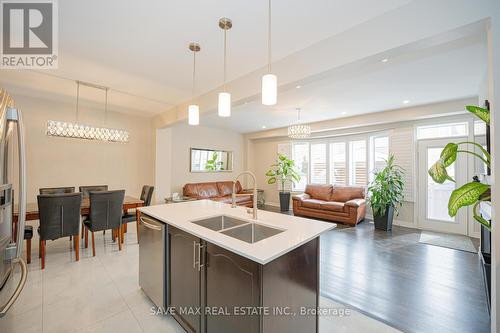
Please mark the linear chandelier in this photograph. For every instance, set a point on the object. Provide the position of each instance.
(79, 131)
(299, 130)
(87, 132)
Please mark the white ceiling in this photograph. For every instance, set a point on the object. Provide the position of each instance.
(442, 72)
(139, 48)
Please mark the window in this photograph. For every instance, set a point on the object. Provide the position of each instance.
(479, 128)
(357, 167)
(338, 167)
(442, 131)
(379, 151)
(300, 156)
(318, 163)
(346, 162)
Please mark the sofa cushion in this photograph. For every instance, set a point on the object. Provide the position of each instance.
(226, 188)
(201, 190)
(312, 203)
(333, 206)
(346, 193)
(320, 192)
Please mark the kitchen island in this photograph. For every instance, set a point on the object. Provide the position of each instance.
(223, 271)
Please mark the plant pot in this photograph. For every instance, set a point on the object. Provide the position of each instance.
(384, 222)
(284, 201)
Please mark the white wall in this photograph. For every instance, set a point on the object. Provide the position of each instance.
(173, 156)
(54, 161)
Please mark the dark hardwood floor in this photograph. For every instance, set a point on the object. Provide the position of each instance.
(411, 286)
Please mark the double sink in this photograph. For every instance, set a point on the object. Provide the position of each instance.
(239, 229)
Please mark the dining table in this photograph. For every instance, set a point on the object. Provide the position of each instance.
(33, 214)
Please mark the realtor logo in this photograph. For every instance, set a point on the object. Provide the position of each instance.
(29, 34)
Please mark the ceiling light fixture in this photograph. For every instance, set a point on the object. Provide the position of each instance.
(269, 81)
(299, 130)
(224, 109)
(264, 126)
(298, 86)
(385, 60)
(344, 113)
(406, 101)
(79, 131)
(194, 109)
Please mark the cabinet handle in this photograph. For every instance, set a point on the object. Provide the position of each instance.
(200, 265)
(194, 254)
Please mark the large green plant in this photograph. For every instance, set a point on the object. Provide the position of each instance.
(472, 193)
(386, 189)
(283, 171)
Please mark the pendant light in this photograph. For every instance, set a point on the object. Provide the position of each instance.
(225, 97)
(80, 131)
(194, 109)
(299, 130)
(269, 81)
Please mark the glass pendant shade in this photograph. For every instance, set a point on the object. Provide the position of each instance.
(224, 104)
(193, 115)
(269, 89)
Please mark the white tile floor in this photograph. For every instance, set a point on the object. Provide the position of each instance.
(101, 294)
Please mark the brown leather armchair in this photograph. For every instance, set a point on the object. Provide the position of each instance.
(344, 204)
(219, 191)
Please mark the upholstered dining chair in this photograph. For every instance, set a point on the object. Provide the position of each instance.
(59, 217)
(94, 188)
(105, 213)
(57, 190)
(146, 195)
(84, 190)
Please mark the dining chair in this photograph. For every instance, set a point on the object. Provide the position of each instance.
(59, 217)
(146, 195)
(105, 213)
(86, 189)
(57, 190)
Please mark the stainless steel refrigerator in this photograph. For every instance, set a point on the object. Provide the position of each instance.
(11, 246)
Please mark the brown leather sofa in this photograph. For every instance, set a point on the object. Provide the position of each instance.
(219, 191)
(344, 204)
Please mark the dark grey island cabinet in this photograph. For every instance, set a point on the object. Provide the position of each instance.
(213, 290)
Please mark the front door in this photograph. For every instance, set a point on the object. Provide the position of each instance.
(433, 197)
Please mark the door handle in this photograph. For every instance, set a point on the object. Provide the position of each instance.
(200, 265)
(194, 254)
(19, 288)
(149, 225)
(15, 115)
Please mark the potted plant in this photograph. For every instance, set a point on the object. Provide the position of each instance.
(283, 172)
(386, 194)
(472, 193)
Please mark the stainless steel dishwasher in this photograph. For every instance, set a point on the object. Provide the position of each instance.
(153, 259)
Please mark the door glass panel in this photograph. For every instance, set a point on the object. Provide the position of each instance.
(438, 195)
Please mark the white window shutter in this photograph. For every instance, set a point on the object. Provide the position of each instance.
(402, 146)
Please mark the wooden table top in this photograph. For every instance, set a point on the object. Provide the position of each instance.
(128, 201)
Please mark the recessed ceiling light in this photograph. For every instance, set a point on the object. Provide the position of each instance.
(264, 127)
(245, 103)
(344, 113)
(298, 86)
(385, 60)
(406, 101)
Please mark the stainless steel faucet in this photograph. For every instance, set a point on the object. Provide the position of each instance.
(233, 197)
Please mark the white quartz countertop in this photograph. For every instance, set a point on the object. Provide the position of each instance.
(297, 230)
